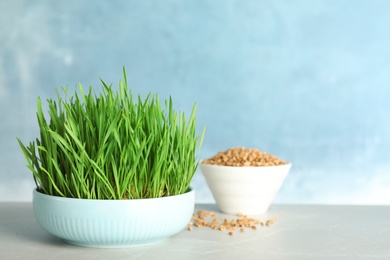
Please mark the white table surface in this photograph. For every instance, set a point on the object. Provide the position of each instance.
(300, 232)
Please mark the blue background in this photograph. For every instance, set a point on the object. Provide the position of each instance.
(304, 80)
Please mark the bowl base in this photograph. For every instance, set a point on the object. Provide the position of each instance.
(103, 245)
(243, 212)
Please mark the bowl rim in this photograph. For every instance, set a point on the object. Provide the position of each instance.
(40, 195)
(244, 167)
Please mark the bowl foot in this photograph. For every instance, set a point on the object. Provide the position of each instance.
(112, 245)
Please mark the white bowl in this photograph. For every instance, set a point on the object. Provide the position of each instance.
(113, 223)
(248, 190)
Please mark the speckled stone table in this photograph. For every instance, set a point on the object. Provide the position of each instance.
(300, 232)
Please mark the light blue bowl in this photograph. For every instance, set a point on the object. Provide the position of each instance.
(113, 223)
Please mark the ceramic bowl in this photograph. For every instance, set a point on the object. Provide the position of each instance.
(113, 223)
(248, 190)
